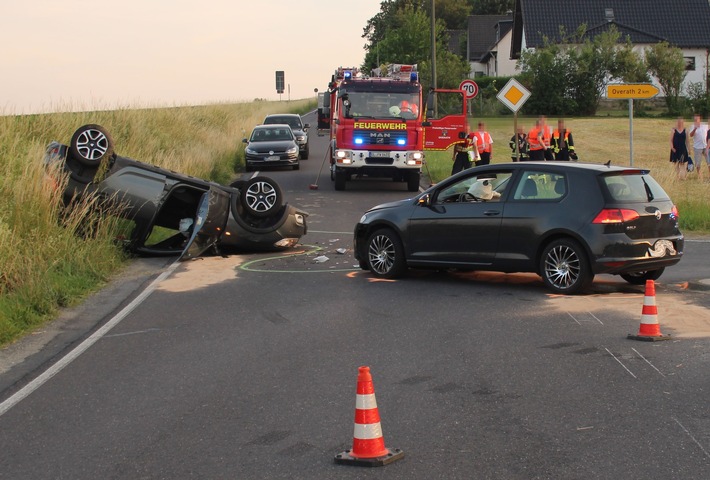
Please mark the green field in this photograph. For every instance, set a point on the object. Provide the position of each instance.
(44, 265)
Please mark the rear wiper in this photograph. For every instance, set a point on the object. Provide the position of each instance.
(649, 194)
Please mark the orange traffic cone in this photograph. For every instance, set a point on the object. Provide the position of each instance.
(368, 443)
(649, 330)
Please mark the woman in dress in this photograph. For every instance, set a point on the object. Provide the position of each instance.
(679, 148)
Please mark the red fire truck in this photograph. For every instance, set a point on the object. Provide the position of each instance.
(380, 125)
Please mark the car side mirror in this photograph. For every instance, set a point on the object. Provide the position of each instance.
(306, 126)
(424, 200)
(244, 140)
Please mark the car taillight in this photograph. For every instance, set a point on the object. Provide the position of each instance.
(616, 215)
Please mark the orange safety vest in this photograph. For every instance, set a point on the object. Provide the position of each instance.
(532, 139)
(546, 135)
(483, 141)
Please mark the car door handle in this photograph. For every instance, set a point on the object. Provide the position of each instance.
(491, 213)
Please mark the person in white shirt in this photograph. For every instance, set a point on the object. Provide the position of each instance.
(699, 134)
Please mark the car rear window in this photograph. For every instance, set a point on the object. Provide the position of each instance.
(634, 188)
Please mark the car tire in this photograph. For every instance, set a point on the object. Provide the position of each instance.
(639, 278)
(296, 167)
(564, 267)
(304, 155)
(90, 145)
(413, 181)
(340, 179)
(261, 196)
(247, 168)
(385, 254)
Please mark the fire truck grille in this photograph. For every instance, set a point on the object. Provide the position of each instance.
(370, 137)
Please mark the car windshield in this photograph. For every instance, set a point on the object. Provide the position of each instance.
(271, 134)
(382, 105)
(293, 122)
(634, 188)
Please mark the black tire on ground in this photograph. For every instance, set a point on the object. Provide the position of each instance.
(639, 278)
(90, 145)
(247, 168)
(413, 181)
(261, 196)
(296, 167)
(304, 155)
(385, 254)
(340, 179)
(564, 267)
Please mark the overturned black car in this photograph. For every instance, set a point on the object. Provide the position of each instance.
(175, 214)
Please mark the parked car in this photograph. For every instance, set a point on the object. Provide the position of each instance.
(271, 146)
(564, 221)
(174, 214)
(300, 130)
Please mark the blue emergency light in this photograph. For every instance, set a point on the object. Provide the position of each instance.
(358, 140)
(347, 74)
(413, 77)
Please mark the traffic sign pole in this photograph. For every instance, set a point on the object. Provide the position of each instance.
(631, 91)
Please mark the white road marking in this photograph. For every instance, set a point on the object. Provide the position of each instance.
(692, 437)
(645, 360)
(612, 355)
(25, 391)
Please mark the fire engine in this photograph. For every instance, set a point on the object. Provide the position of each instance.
(380, 127)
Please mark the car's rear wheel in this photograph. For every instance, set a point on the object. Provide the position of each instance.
(639, 278)
(91, 144)
(564, 267)
(385, 254)
(261, 196)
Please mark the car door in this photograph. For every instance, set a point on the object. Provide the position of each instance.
(210, 220)
(457, 227)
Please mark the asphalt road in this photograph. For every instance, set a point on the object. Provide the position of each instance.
(245, 366)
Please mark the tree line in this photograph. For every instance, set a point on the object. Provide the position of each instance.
(568, 77)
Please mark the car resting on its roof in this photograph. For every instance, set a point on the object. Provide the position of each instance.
(192, 215)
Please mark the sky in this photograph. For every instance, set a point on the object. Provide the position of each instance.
(74, 55)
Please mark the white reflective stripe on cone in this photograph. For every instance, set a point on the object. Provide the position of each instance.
(365, 402)
(367, 432)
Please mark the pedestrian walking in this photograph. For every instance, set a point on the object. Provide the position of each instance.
(699, 134)
(522, 146)
(484, 144)
(679, 148)
(562, 143)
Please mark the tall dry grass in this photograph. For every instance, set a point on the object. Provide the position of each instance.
(44, 264)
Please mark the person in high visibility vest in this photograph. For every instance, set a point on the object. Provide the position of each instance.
(562, 143)
(536, 145)
(465, 153)
(546, 137)
(484, 144)
(522, 147)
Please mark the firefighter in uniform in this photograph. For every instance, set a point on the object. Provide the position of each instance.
(562, 143)
(546, 137)
(536, 145)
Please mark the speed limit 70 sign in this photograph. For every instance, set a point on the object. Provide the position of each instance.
(470, 88)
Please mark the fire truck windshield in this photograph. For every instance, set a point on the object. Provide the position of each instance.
(382, 105)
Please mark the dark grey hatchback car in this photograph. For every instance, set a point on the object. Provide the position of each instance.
(564, 221)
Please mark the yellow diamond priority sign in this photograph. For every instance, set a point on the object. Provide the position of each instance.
(513, 95)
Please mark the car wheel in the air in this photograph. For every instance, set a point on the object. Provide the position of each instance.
(564, 267)
(639, 278)
(261, 196)
(91, 144)
(385, 254)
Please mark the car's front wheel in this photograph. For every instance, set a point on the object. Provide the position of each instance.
(91, 144)
(639, 278)
(261, 196)
(564, 267)
(385, 254)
